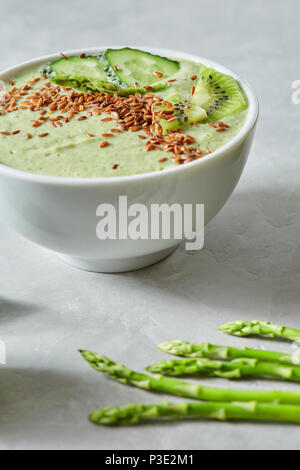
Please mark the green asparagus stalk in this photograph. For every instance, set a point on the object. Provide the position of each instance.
(159, 383)
(186, 349)
(234, 369)
(134, 413)
(260, 328)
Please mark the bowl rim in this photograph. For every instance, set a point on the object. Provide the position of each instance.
(251, 119)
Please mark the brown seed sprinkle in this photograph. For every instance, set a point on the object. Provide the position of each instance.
(163, 159)
(81, 118)
(171, 119)
(90, 135)
(159, 129)
(148, 87)
(116, 131)
(158, 74)
(5, 133)
(16, 132)
(107, 134)
(43, 135)
(115, 166)
(27, 136)
(134, 112)
(104, 144)
(211, 124)
(82, 55)
(116, 67)
(193, 77)
(193, 90)
(64, 56)
(222, 124)
(150, 147)
(172, 80)
(221, 129)
(208, 150)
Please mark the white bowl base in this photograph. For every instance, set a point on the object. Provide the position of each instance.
(117, 265)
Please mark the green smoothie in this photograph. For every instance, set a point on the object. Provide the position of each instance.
(95, 142)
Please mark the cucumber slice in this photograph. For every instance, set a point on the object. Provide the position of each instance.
(91, 68)
(91, 73)
(133, 65)
(84, 73)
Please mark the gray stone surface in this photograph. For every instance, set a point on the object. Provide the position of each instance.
(248, 269)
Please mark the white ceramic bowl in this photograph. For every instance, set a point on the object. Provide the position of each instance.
(60, 213)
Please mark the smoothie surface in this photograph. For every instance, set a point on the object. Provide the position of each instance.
(72, 149)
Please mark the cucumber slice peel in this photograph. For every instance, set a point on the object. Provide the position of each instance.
(133, 66)
(91, 73)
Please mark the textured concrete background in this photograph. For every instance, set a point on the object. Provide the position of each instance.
(248, 269)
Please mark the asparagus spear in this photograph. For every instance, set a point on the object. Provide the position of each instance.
(260, 328)
(134, 413)
(230, 370)
(159, 383)
(184, 348)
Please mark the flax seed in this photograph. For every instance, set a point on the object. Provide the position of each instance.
(107, 119)
(193, 77)
(107, 134)
(163, 159)
(90, 135)
(27, 136)
(115, 166)
(64, 56)
(16, 132)
(158, 74)
(159, 129)
(81, 118)
(104, 144)
(5, 133)
(43, 135)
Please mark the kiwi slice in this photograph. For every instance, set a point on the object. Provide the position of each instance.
(185, 113)
(219, 94)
